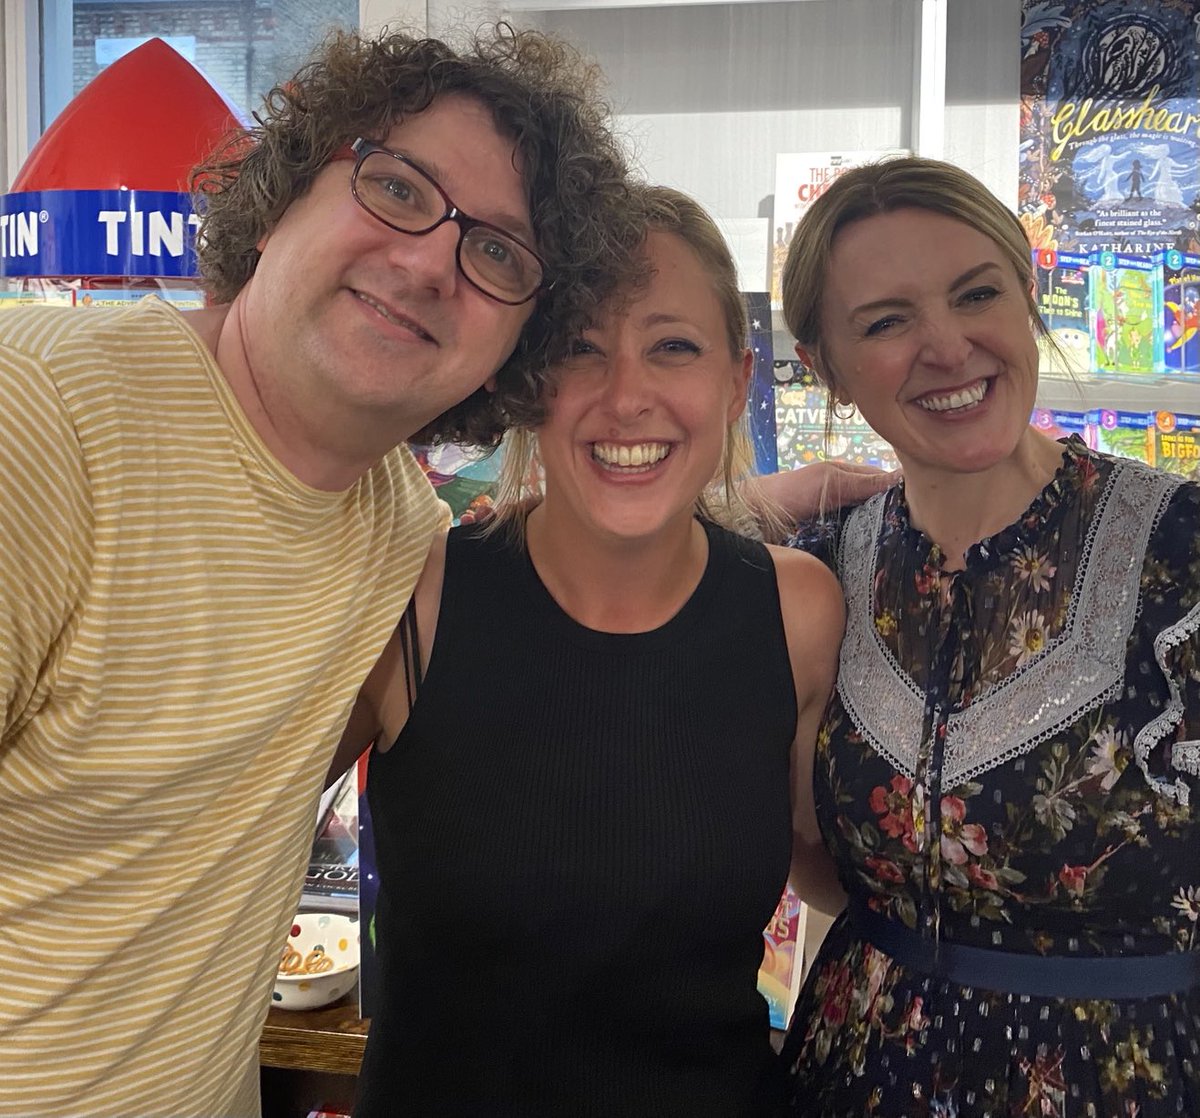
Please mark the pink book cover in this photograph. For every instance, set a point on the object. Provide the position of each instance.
(783, 958)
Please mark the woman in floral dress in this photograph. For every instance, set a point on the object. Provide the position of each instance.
(1006, 774)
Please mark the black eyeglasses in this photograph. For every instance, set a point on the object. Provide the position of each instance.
(398, 193)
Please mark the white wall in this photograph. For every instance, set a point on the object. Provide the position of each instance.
(709, 93)
(396, 13)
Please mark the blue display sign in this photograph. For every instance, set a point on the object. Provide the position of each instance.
(97, 233)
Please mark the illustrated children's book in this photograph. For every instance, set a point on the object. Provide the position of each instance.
(1129, 434)
(464, 477)
(1180, 313)
(44, 297)
(805, 432)
(782, 967)
(1059, 424)
(1177, 443)
(1062, 299)
(1124, 303)
(184, 299)
(800, 179)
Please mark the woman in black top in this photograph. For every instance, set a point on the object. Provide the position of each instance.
(586, 817)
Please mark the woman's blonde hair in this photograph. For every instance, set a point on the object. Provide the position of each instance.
(663, 210)
(908, 182)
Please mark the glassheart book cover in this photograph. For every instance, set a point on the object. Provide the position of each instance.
(1110, 124)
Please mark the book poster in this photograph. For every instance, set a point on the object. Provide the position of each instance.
(800, 179)
(1110, 125)
(760, 406)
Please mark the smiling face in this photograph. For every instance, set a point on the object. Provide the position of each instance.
(925, 326)
(346, 316)
(637, 420)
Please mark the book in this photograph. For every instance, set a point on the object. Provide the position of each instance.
(760, 405)
(1062, 300)
(805, 432)
(1177, 444)
(331, 880)
(34, 297)
(1059, 424)
(1105, 161)
(1125, 433)
(800, 179)
(1179, 313)
(466, 478)
(1123, 302)
(185, 299)
(782, 968)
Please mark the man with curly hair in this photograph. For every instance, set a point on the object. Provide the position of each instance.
(210, 528)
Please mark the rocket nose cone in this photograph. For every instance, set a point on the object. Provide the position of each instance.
(141, 124)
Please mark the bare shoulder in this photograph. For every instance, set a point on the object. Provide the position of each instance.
(428, 592)
(807, 588)
(814, 616)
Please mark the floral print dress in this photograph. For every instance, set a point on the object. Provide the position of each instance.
(1010, 763)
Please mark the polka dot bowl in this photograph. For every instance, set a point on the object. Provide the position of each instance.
(319, 962)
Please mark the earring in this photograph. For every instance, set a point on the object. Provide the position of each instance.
(839, 414)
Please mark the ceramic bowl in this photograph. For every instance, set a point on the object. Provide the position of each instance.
(319, 962)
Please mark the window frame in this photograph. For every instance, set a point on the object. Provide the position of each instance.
(24, 113)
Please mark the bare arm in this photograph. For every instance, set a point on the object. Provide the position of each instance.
(813, 618)
(381, 707)
(809, 491)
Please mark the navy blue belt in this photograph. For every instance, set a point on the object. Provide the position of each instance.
(1009, 972)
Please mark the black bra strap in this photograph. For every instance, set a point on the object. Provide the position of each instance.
(410, 647)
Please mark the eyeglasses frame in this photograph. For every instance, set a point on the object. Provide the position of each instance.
(361, 148)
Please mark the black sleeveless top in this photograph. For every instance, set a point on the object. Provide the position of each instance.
(580, 838)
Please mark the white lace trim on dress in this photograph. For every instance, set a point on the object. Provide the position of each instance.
(1081, 668)
(1185, 755)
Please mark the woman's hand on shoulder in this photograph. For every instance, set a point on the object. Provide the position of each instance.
(810, 491)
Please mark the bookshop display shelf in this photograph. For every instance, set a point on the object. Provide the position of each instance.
(1145, 393)
(330, 1039)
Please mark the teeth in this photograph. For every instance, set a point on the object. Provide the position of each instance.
(406, 323)
(963, 398)
(638, 455)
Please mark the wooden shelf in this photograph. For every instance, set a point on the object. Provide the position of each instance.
(330, 1039)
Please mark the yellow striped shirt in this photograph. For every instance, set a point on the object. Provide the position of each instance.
(183, 627)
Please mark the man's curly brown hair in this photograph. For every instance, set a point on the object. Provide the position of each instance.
(542, 94)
